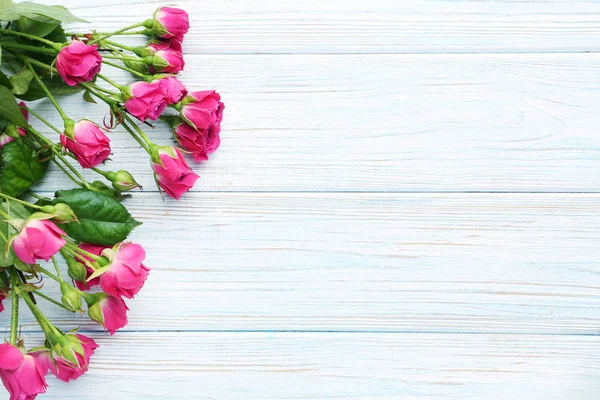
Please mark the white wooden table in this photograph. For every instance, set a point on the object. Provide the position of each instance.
(404, 206)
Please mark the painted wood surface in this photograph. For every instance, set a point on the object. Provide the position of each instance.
(337, 245)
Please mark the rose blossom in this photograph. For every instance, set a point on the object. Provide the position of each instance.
(174, 176)
(66, 361)
(2, 297)
(199, 143)
(167, 61)
(78, 62)
(22, 375)
(96, 250)
(174, 90)
(203, 109)
(170, 22)
(126, 273)
(146, 100)
(110, 312)
(173, 44)
(38, 239)
(88, 142)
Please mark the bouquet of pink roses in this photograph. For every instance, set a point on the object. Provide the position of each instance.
(78, 238)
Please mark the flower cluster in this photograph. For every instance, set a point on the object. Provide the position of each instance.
(101, 269)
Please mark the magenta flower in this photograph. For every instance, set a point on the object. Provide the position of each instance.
(174, 90)
(146, 100)
(96, 250)
(70, 360)
(22, 375)
(110, 312)
(173, 174)
(203, 109)
(170, 22)
(199, 143)
(38, 239)
(126, 273)
(78, 62)
(89, 143)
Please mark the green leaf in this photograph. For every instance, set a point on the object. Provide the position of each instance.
(21, 80)
(102, 220)
(5, 80)
(20, 168)
(14, 211)
(37, 25)
(55, 84)
(9, 108)
(88, 97)
(13, 12)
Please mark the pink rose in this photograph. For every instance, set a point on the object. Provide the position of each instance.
(146, 100)
(38, 239)
(110, 312)
(174, 176)
(5, 138)
(96, 250)
(173, 44)
(126, 273)
(88, 142)
(22, 375)
(203, 109)
(167, 61)
(2, 297)
(174, 90)
(170, 22)
(65, 360)
(199, 143)
(78, 62)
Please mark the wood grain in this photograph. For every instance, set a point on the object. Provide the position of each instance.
(503, 263)
(258, 366)
(386, 123)
(377, 26)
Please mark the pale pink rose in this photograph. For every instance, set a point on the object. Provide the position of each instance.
(22, 375)
(170, 22)
(95, 250)
(199, 143)
(89, 143)
(173, 174)
(174, 89)
(126, 272)
(146, 100)
(78, 62)
(38, 239)
(110, 312)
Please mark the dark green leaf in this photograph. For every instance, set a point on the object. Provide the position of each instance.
(37, 25)
(103, 221)
(9, 108)
(55, 84)
(20, 81)
(88, 97)
(20, 168)
(30, 9)
(5, 80)
(57, 35)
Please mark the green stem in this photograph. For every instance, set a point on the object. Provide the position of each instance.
(26, 204)
(92, 89)
(136, 137)
(29, 36)
(142, 32)
(127, 28)
(35, 49)
(45, 89)
(51, 300)
(56, 267)
(50, 274)
(74, 249)
(51, 332)
(115, 84)
(110, 93)
(43, 120)
(132, 71)
(135, 50)
(5, 215)
(14, 321)
(139, 130)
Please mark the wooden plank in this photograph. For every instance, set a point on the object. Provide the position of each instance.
(390, 123)
(342, 366)
(377, 26)
(488, 263)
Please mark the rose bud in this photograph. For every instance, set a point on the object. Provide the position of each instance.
(145, 100)
(78, 62)
(173, 175)
(167, 61)
(95, 250)
(61, 213)
(170, 22)
(22, 375)
(87, 141)
(173, 44)
(37, 239)
(110, 312)
(174, 89)
(70, 297)
(122, 181)
(203, 109)
(70, 358)
(125, 275)
(198, 143)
